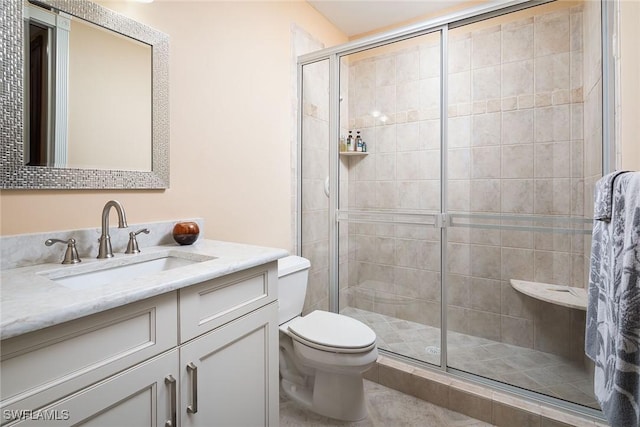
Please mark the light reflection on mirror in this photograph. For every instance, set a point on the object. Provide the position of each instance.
(88, 95)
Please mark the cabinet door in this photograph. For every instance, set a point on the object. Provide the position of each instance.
(137, 397)
(229, 376)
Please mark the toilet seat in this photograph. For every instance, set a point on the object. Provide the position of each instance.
(332, 332)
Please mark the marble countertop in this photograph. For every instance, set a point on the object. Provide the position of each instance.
(566, 296)
(31, 300)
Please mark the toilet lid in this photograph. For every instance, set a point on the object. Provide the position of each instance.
(333, 330)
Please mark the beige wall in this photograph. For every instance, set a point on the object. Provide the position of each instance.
(230, 105)
(630, 84)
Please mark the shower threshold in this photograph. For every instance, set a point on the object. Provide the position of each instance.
(530, 369)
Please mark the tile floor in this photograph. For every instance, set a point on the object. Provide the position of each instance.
(523, 367)
(386, 407)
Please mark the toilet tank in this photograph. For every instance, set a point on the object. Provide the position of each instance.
(293, 273)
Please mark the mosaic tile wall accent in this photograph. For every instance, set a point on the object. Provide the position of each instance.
(13, 172)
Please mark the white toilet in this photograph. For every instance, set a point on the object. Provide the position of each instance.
(322, 354)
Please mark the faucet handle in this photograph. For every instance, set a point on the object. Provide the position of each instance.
(71, 254)
(132, 246)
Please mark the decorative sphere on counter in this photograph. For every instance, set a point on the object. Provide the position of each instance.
(185, 233)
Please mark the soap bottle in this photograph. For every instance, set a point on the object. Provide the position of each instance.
(358, 142)
(350, 142)
(343, 144)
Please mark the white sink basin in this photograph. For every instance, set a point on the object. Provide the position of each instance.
(120, 273)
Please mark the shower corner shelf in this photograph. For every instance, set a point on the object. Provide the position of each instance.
(566, 296)
(353, 153)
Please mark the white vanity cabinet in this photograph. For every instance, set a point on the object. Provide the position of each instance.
(202, 355)
(229, 359)
(47, 368)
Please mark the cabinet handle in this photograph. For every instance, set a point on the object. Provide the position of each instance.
(193, 373)
(171, 382)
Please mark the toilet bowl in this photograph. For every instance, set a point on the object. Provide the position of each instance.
(322, 354)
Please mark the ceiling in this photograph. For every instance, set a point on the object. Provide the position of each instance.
(360, 16)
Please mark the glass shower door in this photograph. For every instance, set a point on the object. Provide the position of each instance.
(389, 245)
(314, 175)
(518, 177)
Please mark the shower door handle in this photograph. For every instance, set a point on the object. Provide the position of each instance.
(326, 187)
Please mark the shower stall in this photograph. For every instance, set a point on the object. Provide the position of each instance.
(462, 235)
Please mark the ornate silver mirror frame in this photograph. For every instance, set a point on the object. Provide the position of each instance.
(13, 172)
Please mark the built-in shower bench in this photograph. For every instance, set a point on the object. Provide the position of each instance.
(567, 296)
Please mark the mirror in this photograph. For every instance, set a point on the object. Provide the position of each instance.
(63, 130)
(70, 64)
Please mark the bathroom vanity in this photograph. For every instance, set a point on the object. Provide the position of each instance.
(192, 345)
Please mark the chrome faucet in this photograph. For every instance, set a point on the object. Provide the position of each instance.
(104, 250)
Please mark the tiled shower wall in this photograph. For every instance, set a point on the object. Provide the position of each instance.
(394, 102)
(516, 146)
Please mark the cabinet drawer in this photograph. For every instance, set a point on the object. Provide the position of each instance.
(39, 367)
(210, 304)
(140, 396)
